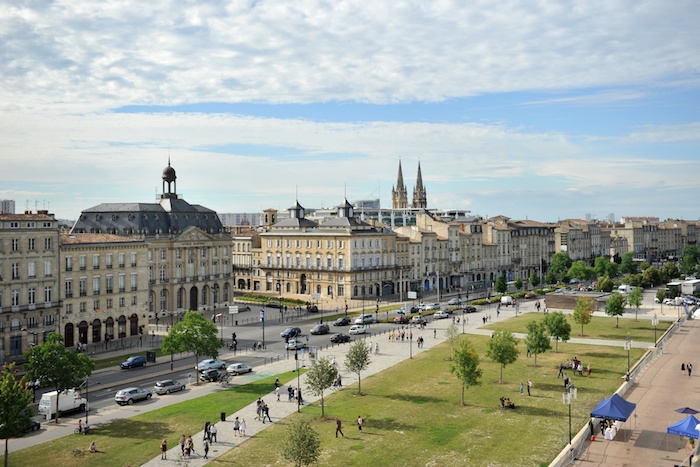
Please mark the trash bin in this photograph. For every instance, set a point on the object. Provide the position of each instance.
(223, 416)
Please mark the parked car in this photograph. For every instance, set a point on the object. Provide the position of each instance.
(432, 306)
(211, 376)
(341, 322)
(415, 309)
(32, 426)
(469, 309)
(339, 338)
(320, 329)
(441, 314)
(294, 344)
(291, 332)
(529, 295)
(273, 304)
(211, 363)
(130, 395)
(238, 369)
(133, 362)
(367, 318)
(312, 309)
(454, 301)
(401, 319)
(167, 386)
(419, 320)
(357, 329)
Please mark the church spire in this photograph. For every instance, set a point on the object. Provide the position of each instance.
(420, 197)
(399, 195)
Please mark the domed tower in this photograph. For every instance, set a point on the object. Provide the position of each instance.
(169, 178)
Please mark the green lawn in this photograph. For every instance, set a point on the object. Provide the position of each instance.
(598, 328)
(413, 415)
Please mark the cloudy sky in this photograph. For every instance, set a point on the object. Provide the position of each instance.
(530, 109)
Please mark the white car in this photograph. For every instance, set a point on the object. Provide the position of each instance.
(454, 301)
(442, 314)
(367, 318)
(432, 306)
(357, 329)
(238, 368)
(211, 364)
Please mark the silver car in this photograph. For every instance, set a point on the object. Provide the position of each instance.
(167, 386)
(130, 395)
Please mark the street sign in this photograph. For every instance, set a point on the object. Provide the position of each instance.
(412, 295)
(316, 296)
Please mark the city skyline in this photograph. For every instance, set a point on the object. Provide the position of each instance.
(546, 111)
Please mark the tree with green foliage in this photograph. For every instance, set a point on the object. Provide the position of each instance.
(605, 284)
(634, 298)
(628, 266)
(501, 285)
(689, 261)
(452, 334)
(616, 306)
(194, 334)
(651, 277)
(537, 340)
(581, 271)
(518, 283)
(534, 279)
(502, 348)
(660, 295)
(557, 327)
(301, 444)
(15, 397)
(550, 278)
(319, 378)
(357, 360)
(560, 263)
(669, 272)
(54, 365)
(466, 366)
(583, 311)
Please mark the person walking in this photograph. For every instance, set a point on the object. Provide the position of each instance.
(689, 367)
(277, 393)
(213, 430)
(339, 428)
(236, 427)
(522, 387)
(360, 422)
(266, 413)
(206, 449)
(182, 444)
(529, 385)
(164, 449)
(242, 427)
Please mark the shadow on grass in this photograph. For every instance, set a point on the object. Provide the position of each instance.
(387, 424)
(412, 398)
(131, 428)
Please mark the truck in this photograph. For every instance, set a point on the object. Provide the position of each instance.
(690, 287)
(70, 400)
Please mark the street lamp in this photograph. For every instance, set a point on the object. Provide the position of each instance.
(628, 347)
(464, 315)
(262, 320)
(568, 399)
(296, 358)
(654, 321)
(410, 340)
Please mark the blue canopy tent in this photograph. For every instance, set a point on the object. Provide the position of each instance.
(613, 408)
(686, 427)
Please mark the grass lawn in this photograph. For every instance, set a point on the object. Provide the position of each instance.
(413, 414)
(598, 328)
(136, 440)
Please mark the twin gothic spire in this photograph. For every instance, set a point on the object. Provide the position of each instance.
(399, 194)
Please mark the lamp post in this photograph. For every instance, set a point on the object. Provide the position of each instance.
(628, 347)
(262, 320)
(410, 340)
(568, 399)
(296, 358)
(654, 321)
(464, 315)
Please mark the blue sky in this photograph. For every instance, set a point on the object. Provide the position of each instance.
(544, 110)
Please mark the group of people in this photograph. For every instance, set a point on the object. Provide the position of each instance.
(262, 411)
(239, 427)
(687, 367)
(486, 318)
(576, 366)
(400, 335)
(506, 403)
(186, 446)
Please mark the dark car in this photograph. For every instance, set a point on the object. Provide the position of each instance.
(273, 305)
(342, 322)
(291, 332)
(211, 376)
(320, 329)
(469, 309)
(312, 309)
(133, 362)
(339, 338)
(415, 309)
(32, 426)
(401, 319)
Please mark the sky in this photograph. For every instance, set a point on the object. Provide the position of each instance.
(540, 110)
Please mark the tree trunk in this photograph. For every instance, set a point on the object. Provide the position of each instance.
(58, 396)
(359, 384)
(535, 359)
(323, 408)
(501, 373)
(6, 460)
(581, 329)
(462, 393)
(556, 345)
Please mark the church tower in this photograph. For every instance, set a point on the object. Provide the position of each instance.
(420, 197)
(399, 195)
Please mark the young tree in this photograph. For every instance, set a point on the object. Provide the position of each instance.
(581, 271)
(452, 334)
(550, 278)
(319, 378)
(558, 327)
(502, 348)
(560, 263)
(670, 271)
(689, 260)
(660, 295)
(54, 365)
(603, 267)
(537, 340)
(357, 360)
(466, 366)
(583, 311)
(501, 285)
(301, 444)
(616, 306)
(628, 266)
(634, 298)
(518, 283)
(534, 279)
(651, 277)
(193, 334)
(15, 397)
(605, 284)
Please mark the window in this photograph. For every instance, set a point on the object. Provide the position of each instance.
(95, 261)
(31, 269)
(82, 286)
(83, 307)
(178, 253)
(15, 297)
(109, 303)
(69, 288)
(69, 308)
(96, 285)
(121, 260)
(31, 225)
(83, 262)
(15, 244)
(162, 254)
(134, 282)
(203, 252)
(329, 243)
(15, 270)
(121, 302)
(96, 305)
(108, 261)
(31, 296)
(163, 273)
(133, 300)
(48, 243)
(69, 263)
(48, 268)
(108, 284)
(122, 282)
(48, 293)
(133, 260)
(30, 244)
(14, 225)
(149, 255)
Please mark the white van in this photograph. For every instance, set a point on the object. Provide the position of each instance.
(506, 300)
(624, 289)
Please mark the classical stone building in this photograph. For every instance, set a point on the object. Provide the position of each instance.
(29, 281)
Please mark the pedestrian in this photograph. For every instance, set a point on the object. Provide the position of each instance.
(290, 393)
(236, 427)
(266, 410)
(277, 393)
(206, 449)
(277, 382)
(360, 422)
(189, 445)
(682, 367)
(522, 387)
(206, 430)
(562, 366)
(529, 385)
(689, 366)
(182, 444)
(164, 449)
(580, 369)
(213, 430)
(566, 381)
(434, 333)
(589, 369)
(242, 427)
(339, 428)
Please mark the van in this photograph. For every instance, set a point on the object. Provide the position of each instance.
(70, 400)
(624, 289)
(506, 300)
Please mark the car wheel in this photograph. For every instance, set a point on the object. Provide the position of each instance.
(35, 427)
(130, 402)
(167, 391)
(182, 388)
(148, 396)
